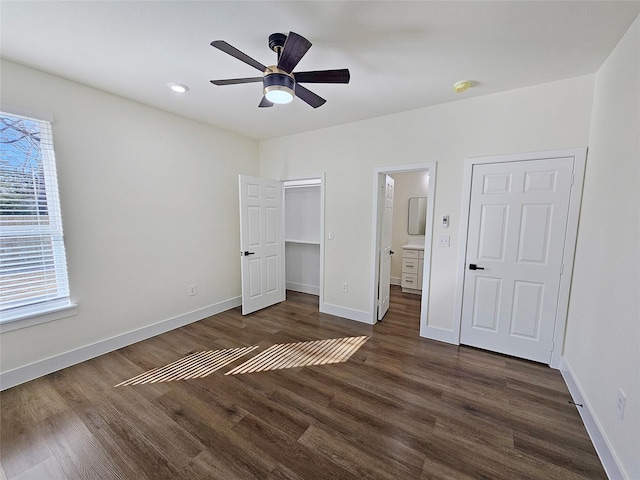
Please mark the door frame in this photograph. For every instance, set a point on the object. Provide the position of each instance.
(575, 199)
(376, 224)
(302, 179)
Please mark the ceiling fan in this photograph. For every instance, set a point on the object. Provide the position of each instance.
(279, 83)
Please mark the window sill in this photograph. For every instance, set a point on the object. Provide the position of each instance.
(35, 315)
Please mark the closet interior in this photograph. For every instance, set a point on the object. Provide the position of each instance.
(302, 203)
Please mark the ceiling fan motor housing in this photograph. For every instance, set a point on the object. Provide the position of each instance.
(278, 79)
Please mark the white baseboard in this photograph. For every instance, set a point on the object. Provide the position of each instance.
(603, 448)
(396, 281)
(302, 288)
(19, 375)
(348, 313)
(439, 334)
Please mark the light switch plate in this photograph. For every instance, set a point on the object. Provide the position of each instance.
(443, 240)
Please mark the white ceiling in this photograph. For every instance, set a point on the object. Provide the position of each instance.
(402, 55)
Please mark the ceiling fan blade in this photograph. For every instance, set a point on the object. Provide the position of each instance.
(308, 96)
(234, 52)
(265, 103)
(294, 49)
(235, 81)
(323, 76)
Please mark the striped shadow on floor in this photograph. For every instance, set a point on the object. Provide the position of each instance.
(196, 365)
(301, 354)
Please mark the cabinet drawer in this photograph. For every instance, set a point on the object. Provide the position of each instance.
(410, 254)
(410, 280)
(410, 265)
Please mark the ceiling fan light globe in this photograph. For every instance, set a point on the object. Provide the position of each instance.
(278, 94)
(278, 87)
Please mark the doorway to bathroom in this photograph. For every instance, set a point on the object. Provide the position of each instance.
(401, 255)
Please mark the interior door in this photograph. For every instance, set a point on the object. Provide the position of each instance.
(515, 246)
(384, 283)
(261, 243)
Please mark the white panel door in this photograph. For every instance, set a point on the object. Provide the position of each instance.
(261, 243)
(515, 246)
(384, 283)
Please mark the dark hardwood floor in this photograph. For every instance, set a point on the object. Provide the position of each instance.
(401, 407)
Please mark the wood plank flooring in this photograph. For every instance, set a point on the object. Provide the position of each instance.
(401, 407)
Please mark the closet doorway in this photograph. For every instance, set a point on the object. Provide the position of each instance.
(304, 234)
(410, 250)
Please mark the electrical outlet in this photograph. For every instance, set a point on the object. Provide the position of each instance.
(345, 287)
(192, 290)
(620, 402)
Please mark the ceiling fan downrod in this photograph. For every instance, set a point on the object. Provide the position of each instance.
(276, 43)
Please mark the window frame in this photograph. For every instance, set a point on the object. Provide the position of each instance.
(42, 311)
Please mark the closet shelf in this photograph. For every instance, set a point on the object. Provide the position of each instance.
(306, 242)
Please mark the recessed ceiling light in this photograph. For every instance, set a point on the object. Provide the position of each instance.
(461, 86)
(178, 88)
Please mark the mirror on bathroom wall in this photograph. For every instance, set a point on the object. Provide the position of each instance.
(417, 215)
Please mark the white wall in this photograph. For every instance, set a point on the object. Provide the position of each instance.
(405, 186)
(149, 206)
(549, 116)
(602, 346)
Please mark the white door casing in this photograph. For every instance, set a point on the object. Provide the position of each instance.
(261, 243)
(386, 229)
(517, 227)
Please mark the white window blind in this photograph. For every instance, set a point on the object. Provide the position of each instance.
(33, 267)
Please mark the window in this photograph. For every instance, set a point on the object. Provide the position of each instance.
(33, 268)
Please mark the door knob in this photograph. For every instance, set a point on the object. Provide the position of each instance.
(391, 252)
(473, 266)
(246, 253)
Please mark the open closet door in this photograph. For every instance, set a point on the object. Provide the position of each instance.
(261, 243)
(384, 282)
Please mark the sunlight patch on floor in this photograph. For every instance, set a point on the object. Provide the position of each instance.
(196, 365)
(301, 354)
(276, 357)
